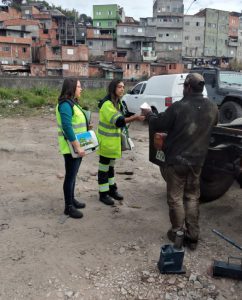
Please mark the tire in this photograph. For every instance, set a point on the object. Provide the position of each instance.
(215, 185)
(213, 182)
(126, 111)
(229, 111)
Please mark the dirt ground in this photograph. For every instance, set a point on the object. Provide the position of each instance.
(112, 252)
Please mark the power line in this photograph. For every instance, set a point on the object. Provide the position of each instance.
(190, 6)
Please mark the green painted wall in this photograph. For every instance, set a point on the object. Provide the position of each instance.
(105, 16)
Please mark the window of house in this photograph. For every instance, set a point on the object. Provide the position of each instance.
(6, 48)
(90, 44)
(175, 36)
(65, 67)
(197, 38)
(186, 38)
(187, 23)
(98, 24)
(24, 49)
(127, 66)
(125, 29)
(160, 35)
(98, 13)
(110, 23)
(45, 31)
(167, 34)
(96, 31)
(70, 51)
(140, 29)
(27, 12)
(34, 38)
(137, 67)
(56, 50)
(103, 43)
(110, 12)
(127, 42)
(197, 24)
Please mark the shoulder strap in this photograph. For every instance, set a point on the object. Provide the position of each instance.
(102, 101)
(71, 102)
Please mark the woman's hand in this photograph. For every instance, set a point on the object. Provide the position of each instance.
(90, 126)
(79, 150)
(140, 118)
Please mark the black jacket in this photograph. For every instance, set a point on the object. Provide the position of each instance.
(189, 123)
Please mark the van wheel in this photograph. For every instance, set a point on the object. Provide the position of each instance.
(125, 110)
(229, 111)
(154, 110)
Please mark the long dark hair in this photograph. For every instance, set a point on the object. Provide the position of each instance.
(112, 88)
(68, 89)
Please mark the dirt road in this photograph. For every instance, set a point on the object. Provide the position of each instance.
(112, 252)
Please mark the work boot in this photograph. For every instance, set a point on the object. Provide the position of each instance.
(113, 192)
(171, 235)
(106, 199)
(190, 243)
(72, 212)
(78, 204)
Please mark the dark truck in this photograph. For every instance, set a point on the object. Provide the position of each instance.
(225, 89)
(223, 162)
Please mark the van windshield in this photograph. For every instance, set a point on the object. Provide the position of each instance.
(230, 78)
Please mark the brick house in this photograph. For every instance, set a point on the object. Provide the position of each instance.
(62, 61)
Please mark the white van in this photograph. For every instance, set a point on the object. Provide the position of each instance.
(158, 91)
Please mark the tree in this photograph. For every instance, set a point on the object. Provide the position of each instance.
(13, 3)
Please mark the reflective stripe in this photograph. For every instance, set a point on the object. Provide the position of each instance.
(104, 187)
(111, 181)
(107, 126)
(108, 133)
(103, 168)
(80, 125)
(112, 163)
(115, 117)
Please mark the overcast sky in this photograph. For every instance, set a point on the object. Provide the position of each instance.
(141, 9)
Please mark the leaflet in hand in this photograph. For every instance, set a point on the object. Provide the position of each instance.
(145, 105)
(88, 141)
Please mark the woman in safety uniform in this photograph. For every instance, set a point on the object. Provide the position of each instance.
(111, 121)
(71, 120)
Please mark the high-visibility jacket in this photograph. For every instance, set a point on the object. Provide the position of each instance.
(109, 136)
(79, 124)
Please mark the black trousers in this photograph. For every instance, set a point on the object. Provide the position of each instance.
(72, 166)
(106, 179)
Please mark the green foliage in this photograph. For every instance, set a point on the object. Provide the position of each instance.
(29, 102)
(90, 97)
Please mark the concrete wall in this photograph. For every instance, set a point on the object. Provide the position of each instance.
(193, 36)
(29, 82)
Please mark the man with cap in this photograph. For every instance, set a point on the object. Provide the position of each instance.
(188, 124)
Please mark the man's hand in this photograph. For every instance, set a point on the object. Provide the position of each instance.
(145, 111)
